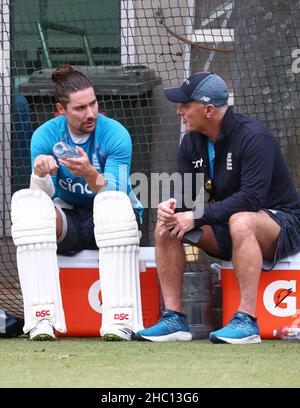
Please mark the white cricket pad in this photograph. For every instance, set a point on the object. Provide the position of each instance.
(117, 236)
(34, 234)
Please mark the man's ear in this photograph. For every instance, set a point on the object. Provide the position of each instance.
(210, 109)
(60, 108)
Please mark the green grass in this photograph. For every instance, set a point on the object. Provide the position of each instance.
(94, 363)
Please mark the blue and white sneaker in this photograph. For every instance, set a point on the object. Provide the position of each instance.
(172, 326)
(240, 330)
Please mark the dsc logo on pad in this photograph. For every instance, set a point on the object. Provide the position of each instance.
(42, 313)
(121, 316)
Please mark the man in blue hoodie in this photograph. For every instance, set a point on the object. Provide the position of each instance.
(77, 202)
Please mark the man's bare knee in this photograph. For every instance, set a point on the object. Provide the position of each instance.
(163, 237)
(160, 237)
(241, 225)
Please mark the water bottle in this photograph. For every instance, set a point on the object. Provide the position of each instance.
(288, 333)
(62, 150)
(10, 325)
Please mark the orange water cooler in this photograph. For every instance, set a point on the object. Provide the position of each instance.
(278, 301)
(81, 291)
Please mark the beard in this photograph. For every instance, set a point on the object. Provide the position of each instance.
(87, 127)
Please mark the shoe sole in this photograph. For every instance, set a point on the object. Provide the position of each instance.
(178, 336)
(43, 337)
(112, 337)
(246, 340)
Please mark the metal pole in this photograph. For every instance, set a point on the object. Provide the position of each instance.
(44, 44)
(88, 50)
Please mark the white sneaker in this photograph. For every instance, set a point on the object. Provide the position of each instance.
(117, 334)
(42, 331)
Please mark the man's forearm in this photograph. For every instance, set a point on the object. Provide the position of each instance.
(96, 181)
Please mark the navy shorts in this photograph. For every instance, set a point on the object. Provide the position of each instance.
(288, 240)
(79, 234)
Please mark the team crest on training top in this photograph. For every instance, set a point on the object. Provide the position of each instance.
(95, 161)
(229, 161)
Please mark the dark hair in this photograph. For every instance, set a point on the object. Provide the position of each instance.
(66, 81)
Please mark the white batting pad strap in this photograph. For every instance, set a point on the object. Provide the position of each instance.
(33, 217)
(118, 238)
(42, 183)
(33, 231)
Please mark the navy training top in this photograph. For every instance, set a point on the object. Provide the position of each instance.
(250, 172)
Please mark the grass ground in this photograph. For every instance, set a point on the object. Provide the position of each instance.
(94, 363)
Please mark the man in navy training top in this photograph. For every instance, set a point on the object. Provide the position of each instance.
(253, 211)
